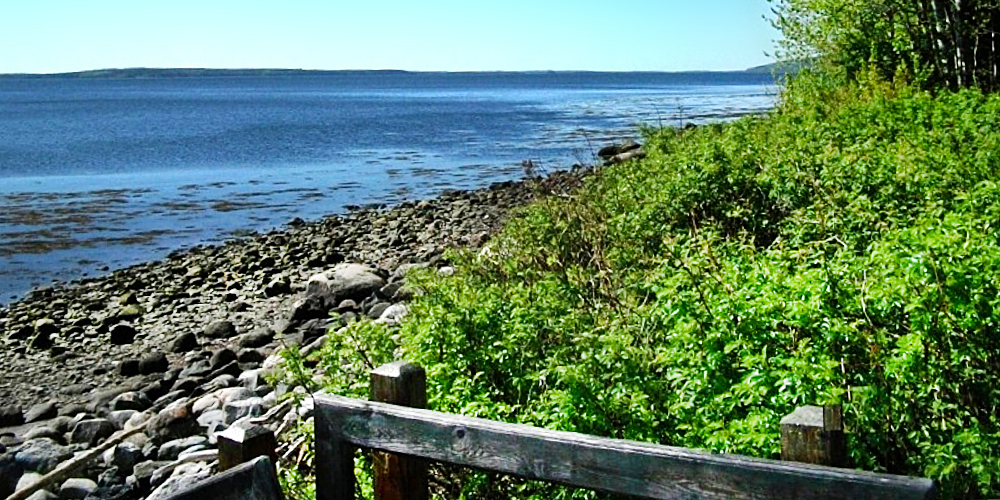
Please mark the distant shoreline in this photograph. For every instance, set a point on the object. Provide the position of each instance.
(152, 73)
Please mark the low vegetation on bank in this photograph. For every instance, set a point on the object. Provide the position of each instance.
(843, 249)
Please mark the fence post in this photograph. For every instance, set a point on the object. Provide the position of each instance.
(814, 435)
(396, 477)
(242, 444)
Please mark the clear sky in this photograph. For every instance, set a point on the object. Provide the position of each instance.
(49, 36)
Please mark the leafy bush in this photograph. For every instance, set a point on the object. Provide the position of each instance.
(843, 249)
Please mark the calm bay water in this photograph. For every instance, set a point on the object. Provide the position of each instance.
(105, 173)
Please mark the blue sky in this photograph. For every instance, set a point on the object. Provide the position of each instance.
(47, 36)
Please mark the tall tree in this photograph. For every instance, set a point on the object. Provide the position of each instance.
(949, 43)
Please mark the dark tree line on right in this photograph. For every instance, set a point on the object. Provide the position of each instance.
(939, 43)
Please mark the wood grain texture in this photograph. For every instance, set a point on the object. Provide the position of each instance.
(253, 480)
(334, 461)
(610, 465)
(397, 477)
(814, 435)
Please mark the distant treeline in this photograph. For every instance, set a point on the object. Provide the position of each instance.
(149, 73)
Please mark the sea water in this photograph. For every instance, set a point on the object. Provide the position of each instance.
(102, 173)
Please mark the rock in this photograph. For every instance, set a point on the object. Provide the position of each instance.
(221, 358)
(10, 472)
(278, 286)
(257, 338)
(143, 471)
(173, 422)
(27, 479)
(124, 491)
(393, 314)
(183, 477)
(206, 403)
(130, 401)
(128, 367)
(303, 310)
(121, 417)
(377, 309)
(41, 455)
(42, 495)
(172, 449)
(102, 398)
(76, 488)
(235, 410)
(154, 363)
(184, 342)
(44, 431)
(220, 330)
(344, 281)
(232, 369)
(233, 394)
(126, 455)
(212, 417)
(252, 379)
(109, 477)
(92, 431)
(122, 334)
(40, 411)
(71, 410)
(197, 369)
(11, 415)
(137, 419)
(172, 396)
(250, 356)
(158, 388)
(44, 329)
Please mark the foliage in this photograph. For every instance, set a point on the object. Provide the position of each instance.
(945, 43)
(844, 249)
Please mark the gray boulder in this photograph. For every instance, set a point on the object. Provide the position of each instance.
(11, 415)
(257, 338)
(126, 455)
(344, 281)
(10, 473)
(130, 401)
(43, 431)
(92, 431)
(43, 495)
(154, 363)
(250, 407)
(172, 449)
(40, 411)
(184, 342)
(220, 330)
(41, 455)
(76, 488)
(122, 334)
(173, 422)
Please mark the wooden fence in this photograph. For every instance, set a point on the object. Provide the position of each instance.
(413, 435)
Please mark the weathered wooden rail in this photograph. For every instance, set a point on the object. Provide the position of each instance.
(609, 465)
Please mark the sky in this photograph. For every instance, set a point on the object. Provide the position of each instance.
(52, 36)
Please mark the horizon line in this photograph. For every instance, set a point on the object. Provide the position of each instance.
(97, 72)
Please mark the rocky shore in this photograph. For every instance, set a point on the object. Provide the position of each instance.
(179, 346)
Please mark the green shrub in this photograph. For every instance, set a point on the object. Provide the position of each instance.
(844, 249)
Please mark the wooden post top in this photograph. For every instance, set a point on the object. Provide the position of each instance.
(398, 369)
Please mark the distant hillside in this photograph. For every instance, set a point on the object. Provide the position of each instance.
(141, 73)
(152, 73)
(779, 68)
